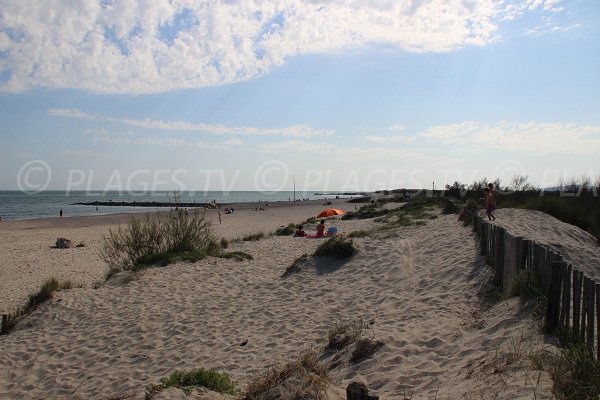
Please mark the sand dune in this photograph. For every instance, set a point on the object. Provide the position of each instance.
(419, 287)
(578, 247)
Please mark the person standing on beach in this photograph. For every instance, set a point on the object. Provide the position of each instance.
(492, 195)
(60, 212)
(487, 203)
(219, 211)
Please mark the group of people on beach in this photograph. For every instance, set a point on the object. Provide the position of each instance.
(332, 231)
(489, 201)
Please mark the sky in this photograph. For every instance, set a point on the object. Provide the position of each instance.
(329, 95)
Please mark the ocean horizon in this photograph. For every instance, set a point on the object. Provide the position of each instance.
(17, 205)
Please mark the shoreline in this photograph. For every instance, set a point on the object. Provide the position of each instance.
(121, 217)
(16, 206)
(28, 257)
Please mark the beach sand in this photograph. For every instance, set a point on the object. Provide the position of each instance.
(421, 289)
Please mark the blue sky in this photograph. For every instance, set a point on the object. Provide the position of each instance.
(342, 95)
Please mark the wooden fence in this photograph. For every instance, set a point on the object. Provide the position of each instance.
(8, 320)
(573, 299)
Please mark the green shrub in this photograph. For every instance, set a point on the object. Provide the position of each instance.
(286, 230)
(468, 212)
(295, 267)
(255, 237)
(368, 211)
(224, 243)
(159, 238)
(186, 381)
(576, 374)
(526, 286)
(236, 255)
(359, 234)
(336, 247)
(361, 199)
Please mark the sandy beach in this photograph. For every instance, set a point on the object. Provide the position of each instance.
(422, 289)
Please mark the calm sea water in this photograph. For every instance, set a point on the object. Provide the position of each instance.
(19, 205)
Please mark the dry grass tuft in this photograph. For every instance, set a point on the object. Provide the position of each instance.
(365, 348)
(344, 333)
(304, 377)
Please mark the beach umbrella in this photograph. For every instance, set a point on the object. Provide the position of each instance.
(330, 212)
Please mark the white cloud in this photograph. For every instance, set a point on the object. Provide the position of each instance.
(115, 46)
(549, 28)
(344, 153)
(103, 136)
(400, 128)
(296, 130)
(526, 137)
(391, 139)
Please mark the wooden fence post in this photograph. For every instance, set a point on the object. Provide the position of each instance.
(565, 315)
(590, 314)
(576, 302)
(552, 310)
(598, 320)
(482, 237)
(584, 306)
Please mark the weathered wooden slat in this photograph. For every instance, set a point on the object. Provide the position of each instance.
(568, 296)
(565, 295)
(482, 238)
(552, 310)
(590, 314)
(576, 302)
(584, 304)
(597, 320)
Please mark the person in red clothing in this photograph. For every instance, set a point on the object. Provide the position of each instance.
(299, 232)
(321, 228)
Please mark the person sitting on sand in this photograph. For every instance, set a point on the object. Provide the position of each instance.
(321, 228)
(299, 232)
(487, 202)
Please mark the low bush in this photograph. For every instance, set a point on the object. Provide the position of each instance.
(344, 333)
(236, 255)
(468, 212)
(576, 374)
(359, 234)
(255, 237)
(304, 377)
(295, 267)
(361, 199)
(526, 286)
(186, 381)
(336, 247)
(365, 348)
(286, 230)
(159, 238)
(368, 211)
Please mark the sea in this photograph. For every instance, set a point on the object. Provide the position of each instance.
(16, 205)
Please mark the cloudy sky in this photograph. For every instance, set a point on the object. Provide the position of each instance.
(339, 94)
